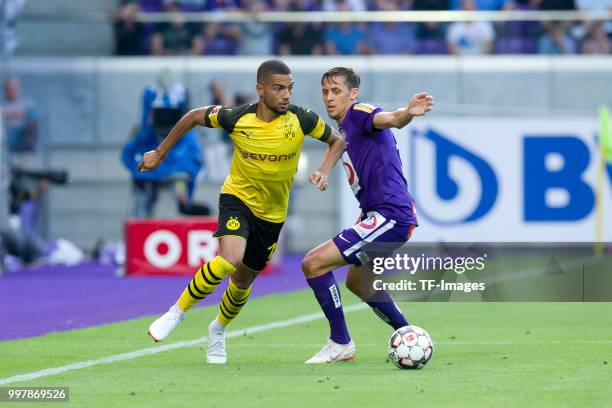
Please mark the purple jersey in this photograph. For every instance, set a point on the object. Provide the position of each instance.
(373, 166)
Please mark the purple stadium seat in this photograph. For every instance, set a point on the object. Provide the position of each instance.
(515, 46)
(430, 46)
(151, 6)
(517, 29)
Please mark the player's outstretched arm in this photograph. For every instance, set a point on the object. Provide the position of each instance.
(333, 153)
(153, 158)
(419, 105)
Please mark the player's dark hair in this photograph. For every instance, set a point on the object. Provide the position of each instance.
(351, 77)
(271, 67)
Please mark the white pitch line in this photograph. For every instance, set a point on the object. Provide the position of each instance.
(509, 342)
(445, 343)
(172, 346)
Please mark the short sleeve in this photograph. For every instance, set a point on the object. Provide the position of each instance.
(363, 116)
(312, 124)
(217, 117)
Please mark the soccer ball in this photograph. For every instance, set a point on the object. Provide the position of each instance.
(410, 347)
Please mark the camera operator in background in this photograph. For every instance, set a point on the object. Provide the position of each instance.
(162, 106)
(19, 237)
(27, 182)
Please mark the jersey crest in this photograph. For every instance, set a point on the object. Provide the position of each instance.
(289, 133)
(232, 224)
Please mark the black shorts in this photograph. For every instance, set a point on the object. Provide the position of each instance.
(235, 218)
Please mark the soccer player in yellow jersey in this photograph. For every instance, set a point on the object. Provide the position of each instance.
(268, 138)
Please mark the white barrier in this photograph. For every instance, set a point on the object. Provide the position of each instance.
(502, 179)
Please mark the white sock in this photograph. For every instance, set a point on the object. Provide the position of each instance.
(217, 327)
(176, 309)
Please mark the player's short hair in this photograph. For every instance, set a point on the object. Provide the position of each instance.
(351, 77)
(271, 67)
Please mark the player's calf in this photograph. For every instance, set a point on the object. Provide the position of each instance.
(327, 293)
(316, 266)
(359, 281)
(356, 285)
(232, 302)
(205, 281)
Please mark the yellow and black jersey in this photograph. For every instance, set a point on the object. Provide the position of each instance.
(266, 154)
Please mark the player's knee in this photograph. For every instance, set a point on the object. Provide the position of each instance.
(243, 278)
(311, 265)
(235, 262)
(242, 282)
(234, 259)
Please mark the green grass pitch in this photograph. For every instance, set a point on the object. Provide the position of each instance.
(486, 354)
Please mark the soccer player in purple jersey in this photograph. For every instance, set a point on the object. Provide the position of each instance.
(374, 171)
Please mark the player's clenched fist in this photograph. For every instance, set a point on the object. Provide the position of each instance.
(150, 160)
(319, 179)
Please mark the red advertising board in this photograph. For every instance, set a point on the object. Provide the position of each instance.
(171, 246)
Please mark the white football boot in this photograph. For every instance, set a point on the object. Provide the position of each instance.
(162, 327)
(332, 352)
(216, 343)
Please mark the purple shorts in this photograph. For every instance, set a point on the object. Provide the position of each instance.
(374, 228)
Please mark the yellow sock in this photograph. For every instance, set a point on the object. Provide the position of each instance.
(205, 281)
(233, 300)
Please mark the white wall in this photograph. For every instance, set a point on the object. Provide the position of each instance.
(539, 175)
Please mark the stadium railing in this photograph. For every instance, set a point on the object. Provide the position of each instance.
(333, 16)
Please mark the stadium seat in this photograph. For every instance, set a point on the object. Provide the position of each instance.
(431, 46)
(516, 46)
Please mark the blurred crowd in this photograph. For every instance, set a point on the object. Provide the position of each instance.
(255, 38)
